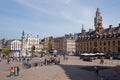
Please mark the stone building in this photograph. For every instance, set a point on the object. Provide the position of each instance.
(65, 44)
(14, 45)
(32, 41)
(100, 39)
(0, 45)
(48, 44)
(28, 42)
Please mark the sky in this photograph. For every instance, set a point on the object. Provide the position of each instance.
(54, 17)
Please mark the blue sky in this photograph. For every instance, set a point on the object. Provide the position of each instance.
(53, 17)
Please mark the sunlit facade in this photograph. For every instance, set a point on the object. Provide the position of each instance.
(100, 39)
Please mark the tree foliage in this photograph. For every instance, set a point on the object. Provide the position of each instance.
(41, 52)
(6, 52)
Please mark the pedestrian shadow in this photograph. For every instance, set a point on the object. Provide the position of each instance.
(80, 72)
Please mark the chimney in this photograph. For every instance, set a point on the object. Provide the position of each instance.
(90, 30)
(110, 26)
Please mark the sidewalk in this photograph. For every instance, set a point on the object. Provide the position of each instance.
(68, 70)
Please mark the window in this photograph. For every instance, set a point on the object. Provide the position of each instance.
(119, 49)
(104, 49)
(113, 49)
(104, 43)
(119, 42)
(100, 49)
(90, 43)
(113, 42)
(95, 44)
(108, 43)
(87, 43)
(100, 43)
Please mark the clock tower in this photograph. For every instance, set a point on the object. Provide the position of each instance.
(98, 21)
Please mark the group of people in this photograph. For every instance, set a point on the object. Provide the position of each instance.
(51, 59)
(43, 60)
(102, 60)
(14, 71)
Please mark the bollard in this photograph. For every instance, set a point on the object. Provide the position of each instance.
(101, 78)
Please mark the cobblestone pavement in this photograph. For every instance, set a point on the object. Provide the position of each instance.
(70, 69)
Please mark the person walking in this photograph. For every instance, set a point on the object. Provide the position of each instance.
(0, 59)
(18, 70)
(102, 60)
(41, 61)
(111, 59)
(115, 70)
(96, 70)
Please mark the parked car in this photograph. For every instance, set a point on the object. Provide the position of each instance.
(116, 56)
(87, 58)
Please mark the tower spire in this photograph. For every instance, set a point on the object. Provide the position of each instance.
(82, 27)
(98, 21)
(82, 30)
(23, 34)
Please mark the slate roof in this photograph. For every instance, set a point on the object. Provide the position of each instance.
(111, 32)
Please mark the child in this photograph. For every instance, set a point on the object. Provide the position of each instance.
(11, 70)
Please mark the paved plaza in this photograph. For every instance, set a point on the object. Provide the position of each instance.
(71, 69)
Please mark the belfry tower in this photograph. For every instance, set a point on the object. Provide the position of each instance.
(23, 45)
(98, 21)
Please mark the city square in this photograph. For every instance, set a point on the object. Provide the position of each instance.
(59, 40)
(71, 69)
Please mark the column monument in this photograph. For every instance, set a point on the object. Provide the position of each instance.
(23, 53)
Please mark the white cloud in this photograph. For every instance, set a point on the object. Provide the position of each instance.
(65, 1)
(78, 14)
(66, 15)
(31, 5)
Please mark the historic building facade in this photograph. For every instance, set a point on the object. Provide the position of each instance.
(32, 41)
(100, 39)
(14, 45)
(48, 44)
(65, 44)
(29, 43)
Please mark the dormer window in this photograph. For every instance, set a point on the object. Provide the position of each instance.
(104, 35)
(114, 34)
(110, 35)
(119, 30)
(97, 36)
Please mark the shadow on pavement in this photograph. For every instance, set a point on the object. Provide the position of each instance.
(80, 72)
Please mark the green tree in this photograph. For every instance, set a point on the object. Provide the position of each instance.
(32, 51)
(6, 52)
(41, 52)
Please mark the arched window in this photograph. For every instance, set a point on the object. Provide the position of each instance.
(113, 42)
(118, 49)
(100, 43)
(95, 44)
(104, 43)
(119, 42)
(109, 43)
